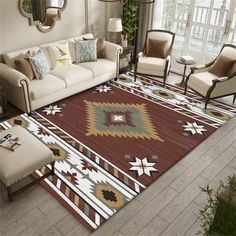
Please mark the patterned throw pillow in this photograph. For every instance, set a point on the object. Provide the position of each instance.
(85, 50)
(60, 54)
(23, 65)
(39, 64)
(100, 46)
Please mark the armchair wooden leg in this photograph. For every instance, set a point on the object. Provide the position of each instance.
(207, 100)
(135, 75)
(234, 98)
(185, 89)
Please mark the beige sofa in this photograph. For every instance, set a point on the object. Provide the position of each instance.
(62, 81)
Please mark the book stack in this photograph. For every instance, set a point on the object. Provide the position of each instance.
(10, 142)
(187, 59)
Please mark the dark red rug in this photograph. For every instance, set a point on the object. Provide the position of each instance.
(112, 141)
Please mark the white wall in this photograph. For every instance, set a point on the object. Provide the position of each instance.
(15, 32)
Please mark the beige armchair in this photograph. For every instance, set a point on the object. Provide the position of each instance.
(217, 78)
(155, 58)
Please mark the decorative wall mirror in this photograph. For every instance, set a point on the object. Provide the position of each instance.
(42, 13)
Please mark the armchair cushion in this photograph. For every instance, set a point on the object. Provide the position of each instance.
(152, 63)
(222, 66)
(157, 48)
(201, 82)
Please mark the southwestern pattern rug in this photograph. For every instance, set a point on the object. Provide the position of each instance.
(112, 141)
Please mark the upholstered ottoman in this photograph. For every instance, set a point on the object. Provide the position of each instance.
(28, 157)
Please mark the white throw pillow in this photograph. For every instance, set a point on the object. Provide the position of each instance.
(60, 54)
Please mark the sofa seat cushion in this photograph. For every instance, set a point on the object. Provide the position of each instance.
(72, 74)
(47, 86)
(201, 82)
(152, 63)
(100, 66)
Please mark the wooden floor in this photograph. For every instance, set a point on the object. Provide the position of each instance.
(168, 207)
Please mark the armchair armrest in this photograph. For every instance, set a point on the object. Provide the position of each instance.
(198, 68)
(112, 51)
(12, 76)
(168, 58)
(221, 79)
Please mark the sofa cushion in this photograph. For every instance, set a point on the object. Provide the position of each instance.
(72, 74)
(49, 85)
(99, 67)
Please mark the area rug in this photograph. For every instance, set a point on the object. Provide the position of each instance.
(114, 140)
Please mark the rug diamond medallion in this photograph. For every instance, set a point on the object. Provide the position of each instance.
(120, 120)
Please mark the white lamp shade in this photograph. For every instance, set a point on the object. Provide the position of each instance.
(114, 25)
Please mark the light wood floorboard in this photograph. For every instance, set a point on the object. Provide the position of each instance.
(168, 207)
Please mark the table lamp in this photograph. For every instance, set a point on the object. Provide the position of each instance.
(114, 26)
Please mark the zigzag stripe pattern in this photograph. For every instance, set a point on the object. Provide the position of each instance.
(172, 106)
(189, 94)
(90, 154)
(78, 201)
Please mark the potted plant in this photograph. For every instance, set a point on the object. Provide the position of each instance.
(218, 217)
(129, 22)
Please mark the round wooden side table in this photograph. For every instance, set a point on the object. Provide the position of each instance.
(178, 60)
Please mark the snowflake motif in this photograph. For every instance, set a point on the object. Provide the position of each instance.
(103, 88)
(194, 128)
(142, 166)
(52, 110)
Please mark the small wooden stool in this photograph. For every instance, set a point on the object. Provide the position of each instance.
(30, 156)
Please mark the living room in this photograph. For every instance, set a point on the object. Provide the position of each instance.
(119, 116)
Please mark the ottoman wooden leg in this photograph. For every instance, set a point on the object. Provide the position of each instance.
(53, 168)
(9, 193)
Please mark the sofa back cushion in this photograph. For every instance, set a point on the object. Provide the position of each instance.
(10, 57)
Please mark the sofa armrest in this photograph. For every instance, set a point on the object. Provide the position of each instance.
(16, 86)
(12, 76)
(112, 51)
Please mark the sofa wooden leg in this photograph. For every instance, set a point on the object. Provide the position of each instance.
(234, 98)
